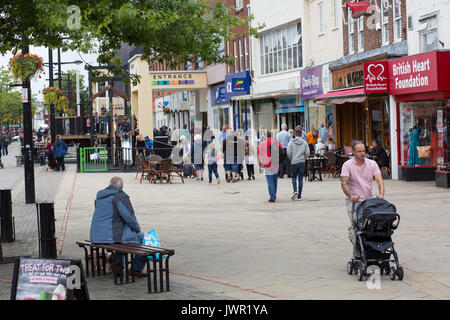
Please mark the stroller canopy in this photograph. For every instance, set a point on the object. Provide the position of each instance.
(375, 205)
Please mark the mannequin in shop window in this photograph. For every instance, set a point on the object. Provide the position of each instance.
(414, 160)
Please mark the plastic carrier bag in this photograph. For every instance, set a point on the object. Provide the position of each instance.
(151, 239)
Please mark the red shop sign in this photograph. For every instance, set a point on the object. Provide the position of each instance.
(419, 73)
(376, 77)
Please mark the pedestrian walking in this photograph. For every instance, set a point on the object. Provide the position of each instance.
(283, 137)
(59, 152)
(250, 160)
(5, 141)
(356, 181)
(186, 146)
(269, 152)
(49, 153)
(298, 152)
(140, 144)
(211, 156)
(198, 148)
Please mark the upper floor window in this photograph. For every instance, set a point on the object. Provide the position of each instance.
(321, 19)
(241, 56)
(235, 56)
(247, 66)
(361, 33)
(222, 48)
(336, 8)
(351, 33)
(428, 34)
(397, 15)
(281, 50)
(239, 4)
(384, 22)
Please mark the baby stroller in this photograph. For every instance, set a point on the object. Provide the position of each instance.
(376, 220)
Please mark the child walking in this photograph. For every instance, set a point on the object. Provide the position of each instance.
(211, 155)
(250, 161)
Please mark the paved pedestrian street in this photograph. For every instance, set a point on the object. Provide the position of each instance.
(230, 243)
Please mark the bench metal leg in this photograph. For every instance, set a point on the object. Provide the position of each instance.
(154, 273)
(86, 259)
(167, 274)
(92, 262)
(98, 262)
(149, 279)
(161, 274)
(114, 271)
(104, 262)
(132, 267)
(127, 279)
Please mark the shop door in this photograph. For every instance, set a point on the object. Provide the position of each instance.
(264, 115)
(350, 124)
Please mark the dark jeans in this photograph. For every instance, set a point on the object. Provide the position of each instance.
(5, 150)
(212, 168)
(285, 166)
(60, 164)
(141, 151)
(251, 170)
(272, 182)
(297, 171)
(139, 261)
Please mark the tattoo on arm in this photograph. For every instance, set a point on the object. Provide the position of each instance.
(344, 186)
(379, 180)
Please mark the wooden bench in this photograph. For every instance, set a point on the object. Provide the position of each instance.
(132, 250)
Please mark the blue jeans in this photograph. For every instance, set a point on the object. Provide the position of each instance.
(5, 150)
(139, 261)
(235, 166)
(272, 182)
(297, 170)
(212, 168)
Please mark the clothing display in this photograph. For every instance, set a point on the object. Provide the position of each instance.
(413, 159)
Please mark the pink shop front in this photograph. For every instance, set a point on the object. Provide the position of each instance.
(420, 85)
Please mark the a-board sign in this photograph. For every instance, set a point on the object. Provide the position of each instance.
(48, 279)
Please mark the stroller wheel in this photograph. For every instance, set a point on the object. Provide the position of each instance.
(400, 273)
(392, 273)
(350, 267)
(360, 273)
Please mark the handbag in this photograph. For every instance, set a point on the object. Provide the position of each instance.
(424, 151)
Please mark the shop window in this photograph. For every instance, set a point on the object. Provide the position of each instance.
(418, 134)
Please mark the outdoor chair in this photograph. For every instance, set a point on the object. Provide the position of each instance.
(165, 170)
(140, 160)
(332, 165)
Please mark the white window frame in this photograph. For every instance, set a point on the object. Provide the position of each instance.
(397, 21)
(239, 4)
(351, 32)
(360, 23)
(384, 23)
(241, 56)
(246, 53)
(335, 13)
(227, 45)
(321, 13)
(235, 56)
(427, 30)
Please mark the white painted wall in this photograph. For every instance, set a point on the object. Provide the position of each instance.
(418, 8)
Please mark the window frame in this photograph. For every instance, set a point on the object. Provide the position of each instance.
(239, 5)
(360, 24)
(241, 56)
(384, 23)
(235, 55)
(351, 32)
(247, 67)
(428, 30)
(321, 11)
(335, 13)
(397, 20)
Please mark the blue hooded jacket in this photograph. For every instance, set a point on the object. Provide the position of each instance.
(60, 150)
(114, 220)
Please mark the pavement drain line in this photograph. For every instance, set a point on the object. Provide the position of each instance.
(66, 216)
(228, 284)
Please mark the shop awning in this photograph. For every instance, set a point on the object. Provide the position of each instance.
(266, 95)
(358, 8)
(342, 96)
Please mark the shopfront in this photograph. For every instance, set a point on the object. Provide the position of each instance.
(290, 110)
(238, 84)
(314, 83)
(220, 106)
(360, 113)
(420, 85)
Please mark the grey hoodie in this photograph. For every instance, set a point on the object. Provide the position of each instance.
(298, 150)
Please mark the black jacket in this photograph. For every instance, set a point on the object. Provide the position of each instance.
(382, 157)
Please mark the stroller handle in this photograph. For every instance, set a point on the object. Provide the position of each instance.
(394, 226)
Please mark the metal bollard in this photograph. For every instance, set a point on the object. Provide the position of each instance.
(46, 230)
(6, 219)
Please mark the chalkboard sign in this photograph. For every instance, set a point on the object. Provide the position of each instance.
(48, 279)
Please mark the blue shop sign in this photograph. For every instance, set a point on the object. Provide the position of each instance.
(237, 84)
(218, 96)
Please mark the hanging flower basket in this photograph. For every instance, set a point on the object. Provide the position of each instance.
(26, 66)
(7, 117)
(52, 95)
(62, 104)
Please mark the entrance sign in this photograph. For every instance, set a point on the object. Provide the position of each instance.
(376, 77)
(48, 279)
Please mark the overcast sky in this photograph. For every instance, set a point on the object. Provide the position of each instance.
(37, 85)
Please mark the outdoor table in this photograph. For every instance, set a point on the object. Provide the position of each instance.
(314, 163)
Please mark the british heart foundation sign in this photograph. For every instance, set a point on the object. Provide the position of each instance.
(376, 77)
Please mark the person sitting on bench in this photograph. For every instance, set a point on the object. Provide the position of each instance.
(114, 221)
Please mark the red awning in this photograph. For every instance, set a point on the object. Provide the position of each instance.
(342, 96)
(358, 8)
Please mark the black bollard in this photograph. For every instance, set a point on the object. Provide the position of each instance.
(6, 220)
(46, 229)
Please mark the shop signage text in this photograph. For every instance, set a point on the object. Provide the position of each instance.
(311, 82)
(348, 78)
(237, 84)
(376, 77)
(417, 73)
